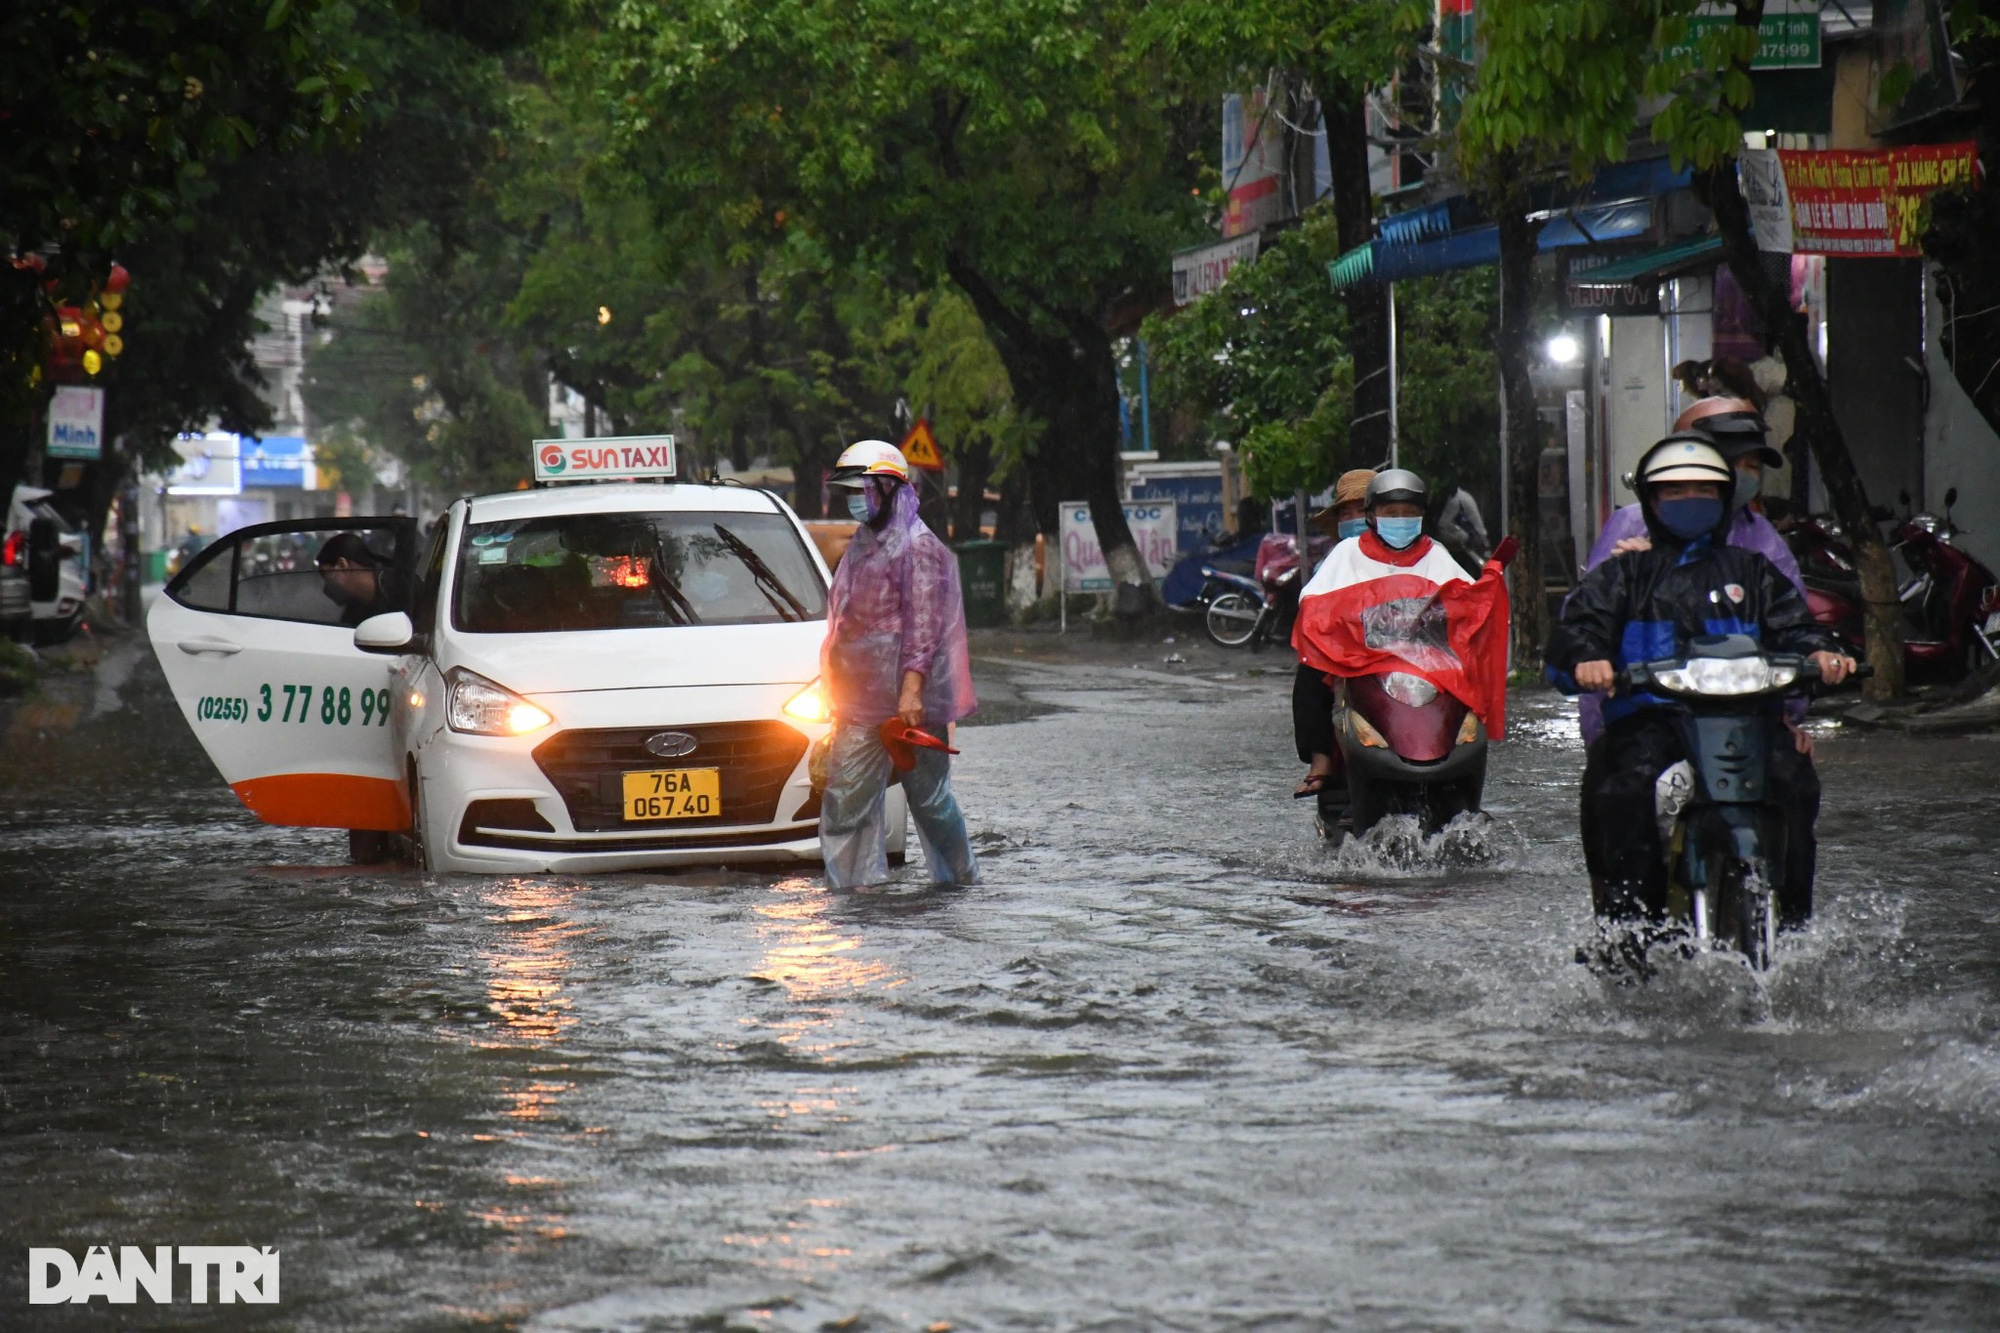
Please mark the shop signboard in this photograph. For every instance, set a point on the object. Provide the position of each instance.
(1199, 271)
(1197, 502)
(1761, 176)
(1253, 160)
(1153, 524)
(210, 465)
(278, 461)
(1632, 298)
(76, 422)
(1788, 36)
(1870, 202)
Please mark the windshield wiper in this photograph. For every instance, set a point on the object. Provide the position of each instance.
(672, 600)
(768, 583)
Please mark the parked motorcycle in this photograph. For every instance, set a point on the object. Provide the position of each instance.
(1724, 841)
(1257, 610)
(1951, 602)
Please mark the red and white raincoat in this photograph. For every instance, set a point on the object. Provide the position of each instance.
(1371, 608)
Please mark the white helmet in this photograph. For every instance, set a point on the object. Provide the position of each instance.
(868, 458)
(1686, 456)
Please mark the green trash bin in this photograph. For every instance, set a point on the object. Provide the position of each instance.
(982, 574)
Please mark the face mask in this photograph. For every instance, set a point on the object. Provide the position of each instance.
(1399, 532)
(1748, 486)
(857, 506)
(1352, 527)
(1690, 518)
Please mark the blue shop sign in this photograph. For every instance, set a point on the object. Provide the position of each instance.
(275, 460)
(1199, 505)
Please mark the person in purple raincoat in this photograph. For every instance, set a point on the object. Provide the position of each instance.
(895, 650)
(1738, 430)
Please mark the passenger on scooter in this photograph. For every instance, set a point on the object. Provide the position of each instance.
(1645, 605)
(1390, 508)
(1738, 432)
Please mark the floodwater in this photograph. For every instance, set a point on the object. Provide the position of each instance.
(1176, 1065)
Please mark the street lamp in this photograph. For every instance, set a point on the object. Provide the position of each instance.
(1563, 349)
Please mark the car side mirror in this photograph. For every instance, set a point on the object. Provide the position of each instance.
(390, 632)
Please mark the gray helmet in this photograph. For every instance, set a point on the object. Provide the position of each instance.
(1396, 483)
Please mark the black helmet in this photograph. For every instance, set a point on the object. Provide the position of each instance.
(1396, 483)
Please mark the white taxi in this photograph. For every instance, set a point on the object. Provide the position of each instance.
(600, 676)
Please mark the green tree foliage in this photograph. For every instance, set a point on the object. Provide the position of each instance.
(1266, 358)
(423, 95)
(1448, 418)
(117, 118)
(1265, 361)
(1562, 80)
(1343, 52)
(1032, 151)
(425, 368)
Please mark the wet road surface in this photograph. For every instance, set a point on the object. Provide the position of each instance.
(1177, 1064)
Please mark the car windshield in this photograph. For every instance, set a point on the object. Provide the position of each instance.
(633, 571)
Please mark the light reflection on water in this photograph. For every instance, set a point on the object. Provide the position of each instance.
(1179, 1063)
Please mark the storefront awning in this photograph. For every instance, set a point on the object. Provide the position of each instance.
(1381, 261)
(1666, 260)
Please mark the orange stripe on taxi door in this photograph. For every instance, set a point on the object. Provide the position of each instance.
(326, 800)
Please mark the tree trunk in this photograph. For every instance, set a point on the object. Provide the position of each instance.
(1817, 427)
(1068, 381)
(1346, 115)
(975, 467)
(1522, 431)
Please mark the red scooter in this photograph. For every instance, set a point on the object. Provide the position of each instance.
(1951, 602)
(1409, 749)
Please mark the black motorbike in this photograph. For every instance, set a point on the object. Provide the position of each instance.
(1724, 837)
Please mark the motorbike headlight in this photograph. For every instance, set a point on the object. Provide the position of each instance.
(479, 706)
(810, 704)
(1364, 732)
(1723, 676)
(1405, 688)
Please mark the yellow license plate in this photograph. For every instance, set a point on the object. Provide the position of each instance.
(674, 793)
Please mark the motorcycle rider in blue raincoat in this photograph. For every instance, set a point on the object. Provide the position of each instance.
(895, 650)
(1646, 605)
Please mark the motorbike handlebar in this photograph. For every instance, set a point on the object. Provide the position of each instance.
(1640, 675)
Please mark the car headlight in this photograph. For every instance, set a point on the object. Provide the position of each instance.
(1726, 676)
(479, 706)
(810, 704)
(1405, 688)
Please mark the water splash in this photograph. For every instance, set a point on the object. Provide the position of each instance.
(1398, 847)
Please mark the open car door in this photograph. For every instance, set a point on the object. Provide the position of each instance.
(257, 644)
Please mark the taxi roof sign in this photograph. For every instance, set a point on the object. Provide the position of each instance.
(606, 458)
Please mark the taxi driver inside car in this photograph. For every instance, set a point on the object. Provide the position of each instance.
(614, 675)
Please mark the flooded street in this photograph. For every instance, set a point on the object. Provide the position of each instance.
(1177, 1064)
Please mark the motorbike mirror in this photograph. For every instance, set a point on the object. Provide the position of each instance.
(1883, 513)
(1904, 498)
(1950, 499)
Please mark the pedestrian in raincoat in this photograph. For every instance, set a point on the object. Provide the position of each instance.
(895, 652)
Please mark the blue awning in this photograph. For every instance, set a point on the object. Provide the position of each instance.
(1478, 246)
